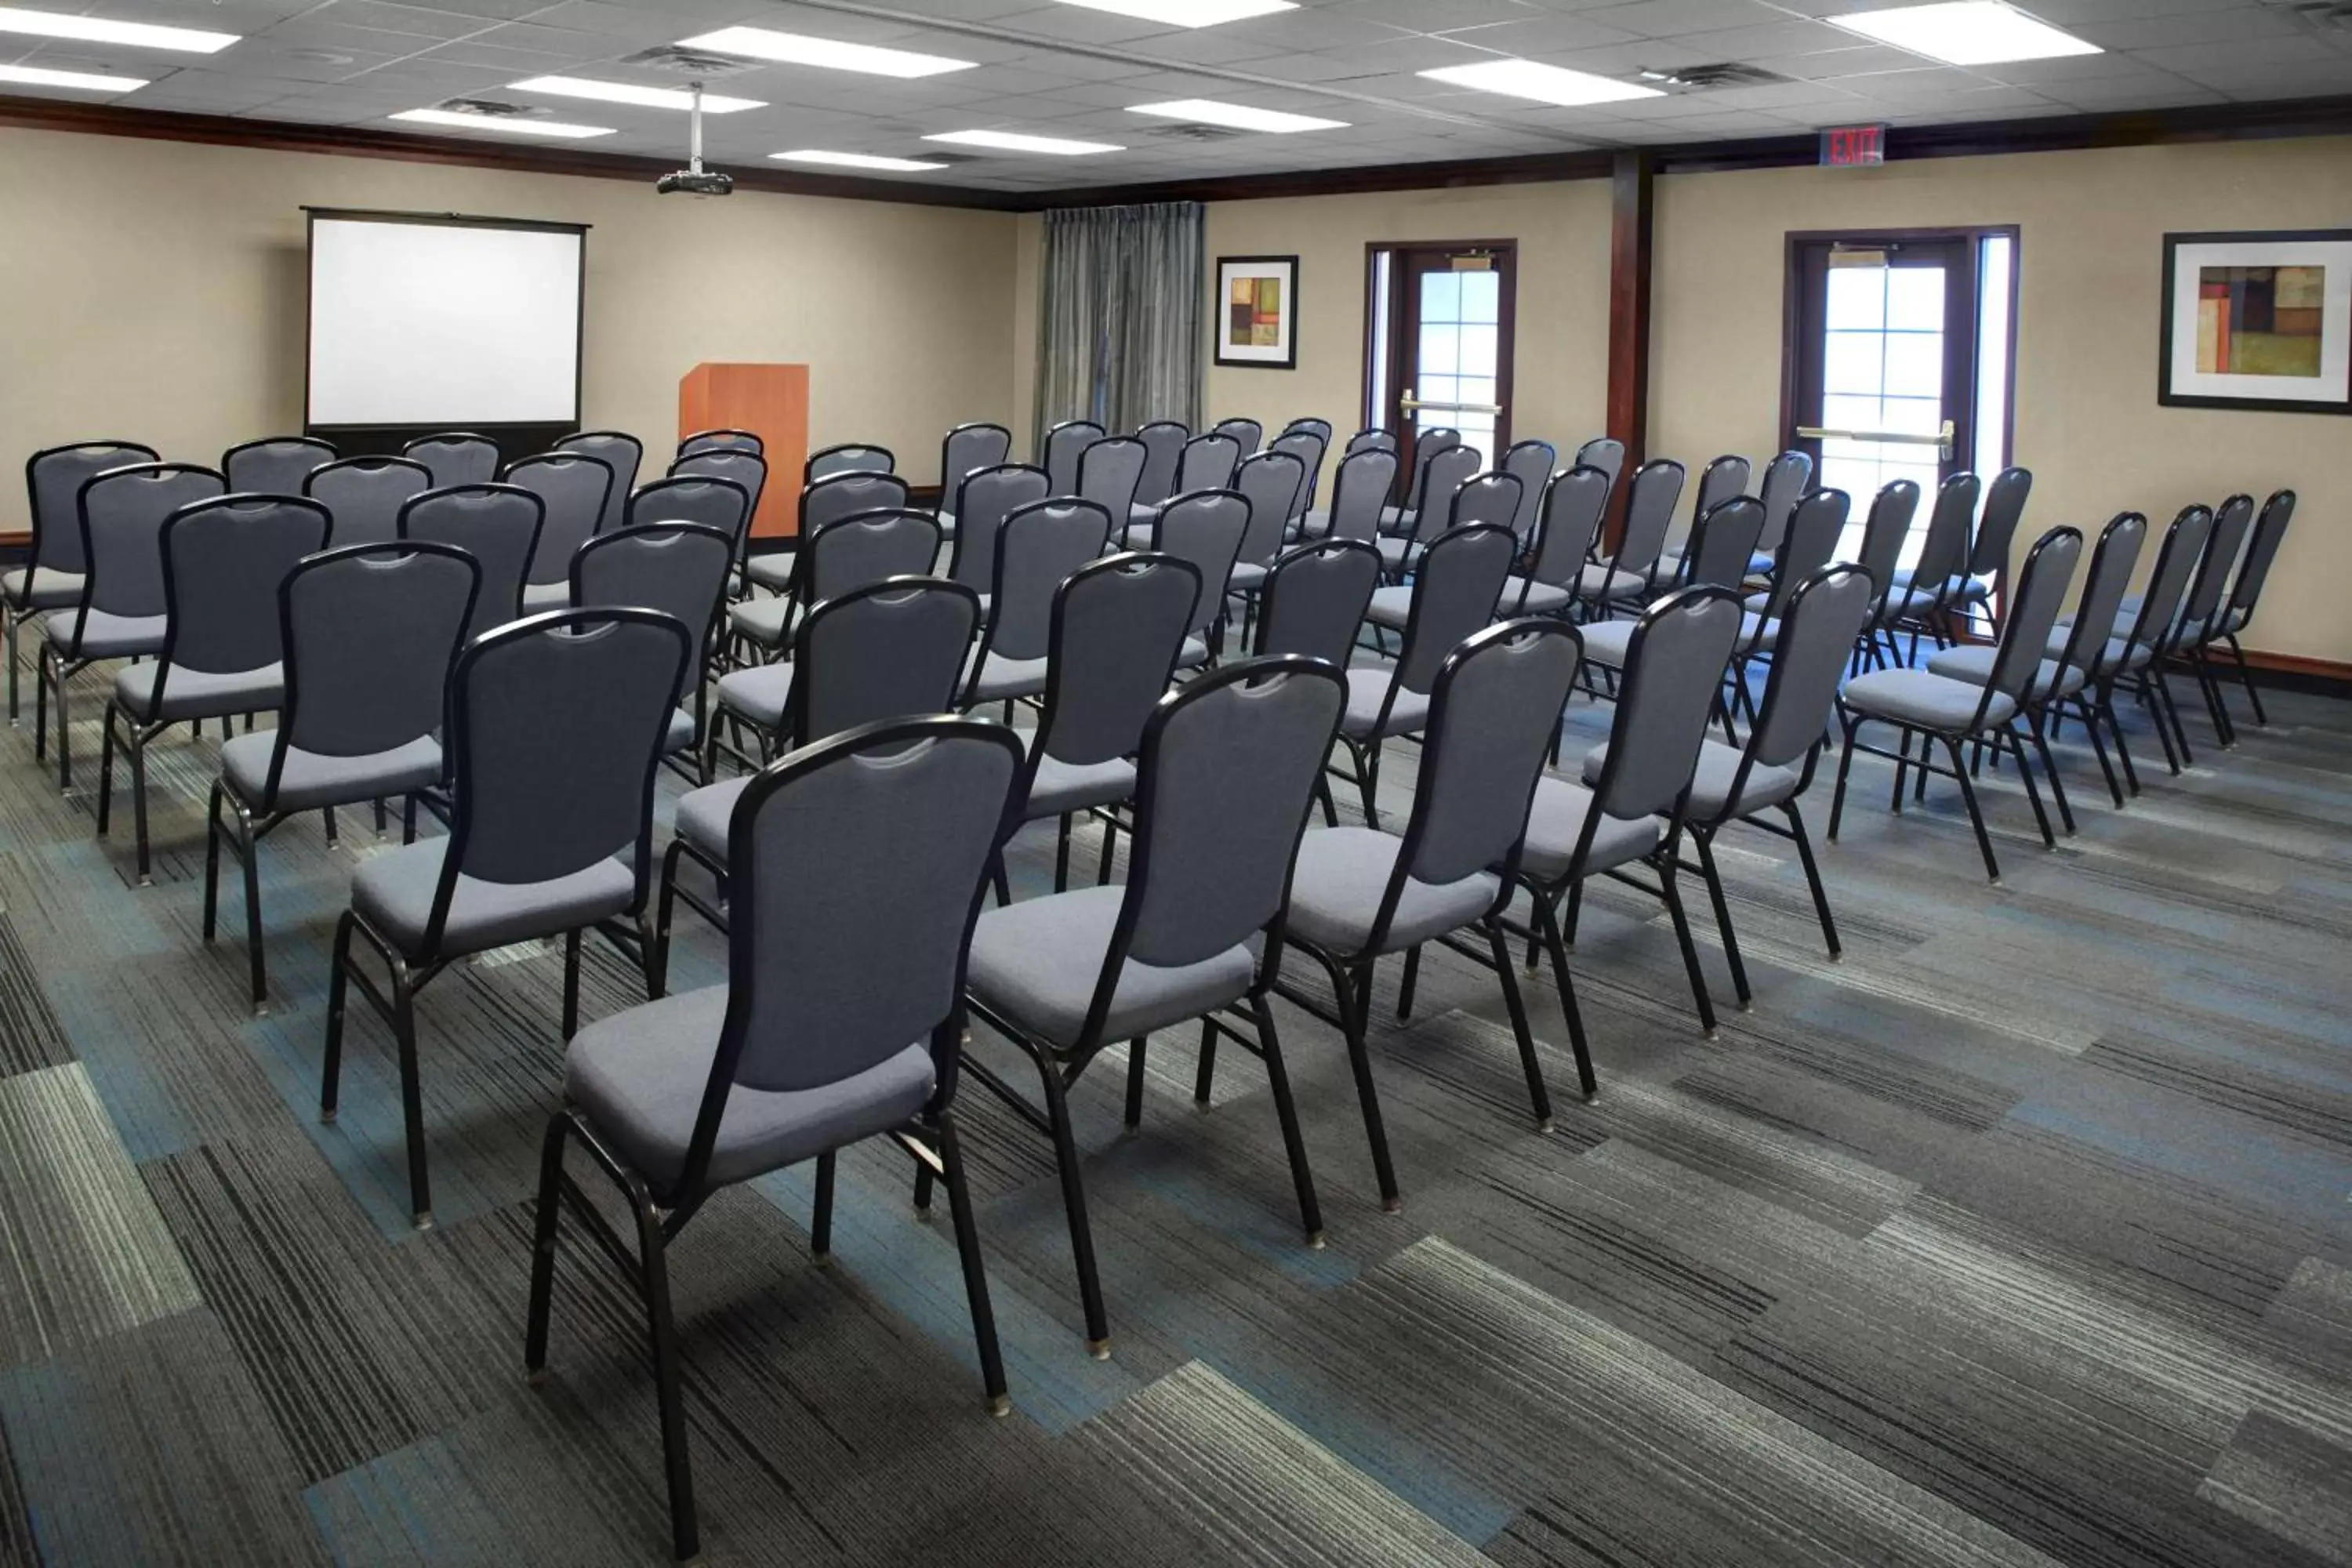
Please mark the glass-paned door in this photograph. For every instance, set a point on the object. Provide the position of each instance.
(1441, 346)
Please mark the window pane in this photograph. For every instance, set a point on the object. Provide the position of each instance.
(1993, 355)
(1440, 297)
(1477, 432)
(1857, 297)
(1376, 393)
(1912, 416)
(1852, 364)
(1481, 296)
(1478, 346)
(1439, 389)
(1441, 350)
(1849, 413)
(1914, 365)
(1474, 389)
(1914, 299)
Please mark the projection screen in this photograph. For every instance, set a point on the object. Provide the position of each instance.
(439, 321)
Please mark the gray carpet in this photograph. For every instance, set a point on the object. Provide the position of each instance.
(2021, 1235)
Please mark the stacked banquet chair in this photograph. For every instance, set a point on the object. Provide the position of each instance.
(1719, 481)
(2200, 612)
(576, 487)
(1436, 482)
(2221, 629)
(1272, 484)
(364, 495)
(1568, 523)
(1631, 574)
(679, 569)
(1428, 446)
(497, 525)
(274, 464)
(455, 457)
(747, 466)
(1490, 497)
(1059, 449)
(1313, 523)
(52, 577)
(621, 452)
(1926, 596)
(759, 627)
(1879, 555)
(847, 458)
(1721, 544)
(968, 449)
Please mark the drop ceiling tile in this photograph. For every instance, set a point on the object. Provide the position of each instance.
(2235, 53)
(2195, 28)
(1540, 36)
(1205, 46)
(1434, 16)
(2095, 97)
(1078, 25)
(418, 21)
(1832, 65)
(1667, 19)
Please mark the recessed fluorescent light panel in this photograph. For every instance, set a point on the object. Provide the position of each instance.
(857, 161)
(1966, 33)
(1544, 84)
(1012, 141)
(1209, 111)
(629, 92)
(796, 49)
(35, 76)
(94, 30)
(1187, 13)
(554, 128)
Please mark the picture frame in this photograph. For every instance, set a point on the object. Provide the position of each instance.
(1255, 312)
(2259, 320)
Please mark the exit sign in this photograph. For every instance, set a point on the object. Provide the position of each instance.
(1851, 146)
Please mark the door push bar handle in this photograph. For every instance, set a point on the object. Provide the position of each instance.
(1943, 440)
(1410, 402)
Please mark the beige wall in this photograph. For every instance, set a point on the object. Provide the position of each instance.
(2090, 258)
(154, 291)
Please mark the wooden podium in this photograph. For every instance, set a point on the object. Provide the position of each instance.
(771, 402)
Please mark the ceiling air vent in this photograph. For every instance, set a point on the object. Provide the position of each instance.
(1698, 77)
(700, 64)
(2336, 15)
(490, 107)
(1196, 132)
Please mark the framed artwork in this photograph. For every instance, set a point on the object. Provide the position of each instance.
(1257, 311)
(2259, 320)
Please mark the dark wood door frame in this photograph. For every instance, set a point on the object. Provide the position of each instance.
(1401, 312)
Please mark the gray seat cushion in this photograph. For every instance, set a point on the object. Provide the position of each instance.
(1397, 551)
(1341, 877)
(1036, 963)
(1718, 765)
(1758, 634)
(1556, 819)
(198, 694)
(1315, 523)
(759, 693)
(1002, 678)
(1972, 662)
(947, 525)
(1541, 598)
(1391, 607)
(771, 571)
(703, 814)
(539, 597)
(2119, 653)
(1064, 787)
(313, 779)
(1607, 583)
(1605, 641)
(1924, 698)
(1368, 688)
(679, 736)
(394, 893)
(1192, 654)
(761, 621)
(640, 1075)
(105, 636)
(40, 588)
(1247, 575)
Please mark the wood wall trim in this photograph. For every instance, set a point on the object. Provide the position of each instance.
(1630, 213)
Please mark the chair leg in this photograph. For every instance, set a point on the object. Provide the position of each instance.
(2032, 791)
(975, 1274)
(1135, 1050)
(1537, 1096)
(106, 771)
(542, 1246)
(2107, 710)
(2049, 766)
(1354, 993)
(1405, 986)
(2172, 713)
(1812, 877)
(134, 741)
(821, 1211)
(2237, 654)
(1331, 810)
(41, 700)
(664, 906)
(411, 1093)
(1549, 929)
(14, 624)
(408, 820)
(2098, 747)
(1714, 878)
(654, 1270)
(1073, 1201)
(1109, 843)
(1902, 769)
(249, 860)
(338, 989)
(1976, 816)
(1204, 1074)
(212, 861)
(570, 982)
(1061, 855)
(64, 734)
(1667, 885)
(1368, 779)
(1286, 1110)
(1849, 722)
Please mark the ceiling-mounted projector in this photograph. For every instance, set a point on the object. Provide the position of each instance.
(694, 180)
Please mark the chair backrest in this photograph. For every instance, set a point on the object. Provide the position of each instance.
(1820, 619)
(744, 467)
(1163, 449)
(1207, 463)
(455, 457)
(1944, 553)
(625, 453)
(2231, 521)
(1272, 483)
(1656, 490)
(556, 725)
(1484, 498)
(1427, 446)
(892, 649)
(1118, 624)
(371, 632)
(364, 495)
(2113, 561)
(1204, 529)
(1315, 599)
(2004, 505)
(1309, 448)
(1061, 449)
(1571, 514)
(968, 448)
(122, 512)
(497, 525)
(2262, 549)
(2176, 559)
(53, 481)
(1226, 778)
(1674, 660)
(2040, 596)
(1365, 481)
(1373, 439)
(706, 499)
(1110, 474)
(984, 499)
(1786, 478)
(1604, 452)
(847, 458)
(837, 496)
(1883, 537)
(1807, 543)
(1721, 544)
(1531, 463)
(849, 552)
(1492, 717)
(1440, 477)
(274, 465)
(1038, 547)
(224, 559)
(1319, 428)
(574, 486)
(1454, 591)
(1717, 482)
(721, 440)
(1248, 434)
(846, 943)
(678, 568)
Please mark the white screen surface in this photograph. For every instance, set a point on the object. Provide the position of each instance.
(446, 324)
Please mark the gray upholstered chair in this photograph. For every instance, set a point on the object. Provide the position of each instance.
(455, 457)
(679, 569)
(1607, 454)
(1926, 594)
(841, 1020)
(1943, 708)
(1879, 553)
(222, 654)
(1359, 491)
(554, 731)
(1315, 600)
(1119, 625)
(2136, 644)
(1532, 463)
(1163, 449)
(1787, 477)
(1207, 463)
(1060, 449)
(1809, 541)
(1483, 498)
(1631, 812)
(983, 499)
(363, 496)
(1453, 594)
(724, 439)
(371, 633)
(1227, 770)
(1359, 894)
(1434, 484)
(1248, 434)
(2201, 610)
(1110, 474)
(822, 501)
(711, 499)
(1428, 446)
(626, 454)
(1321, 428)
(574, 486)
(118, 610)
(2004, 507)
(968, 448)
(1309, 448)
(747, 467)
(1272, 483)
(51, 577)
(274, 465)
(1039, 546)
(1721, 480)
(1639, 567)
(848, 457)
(1204, 528)
(1722, 542)
(497, 525)
(1372, 438)
(1567, 521)
(2245, 593)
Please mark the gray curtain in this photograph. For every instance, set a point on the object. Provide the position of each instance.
(1118, 338)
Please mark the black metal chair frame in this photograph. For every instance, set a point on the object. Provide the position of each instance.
(706, 657)
(12, 622)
